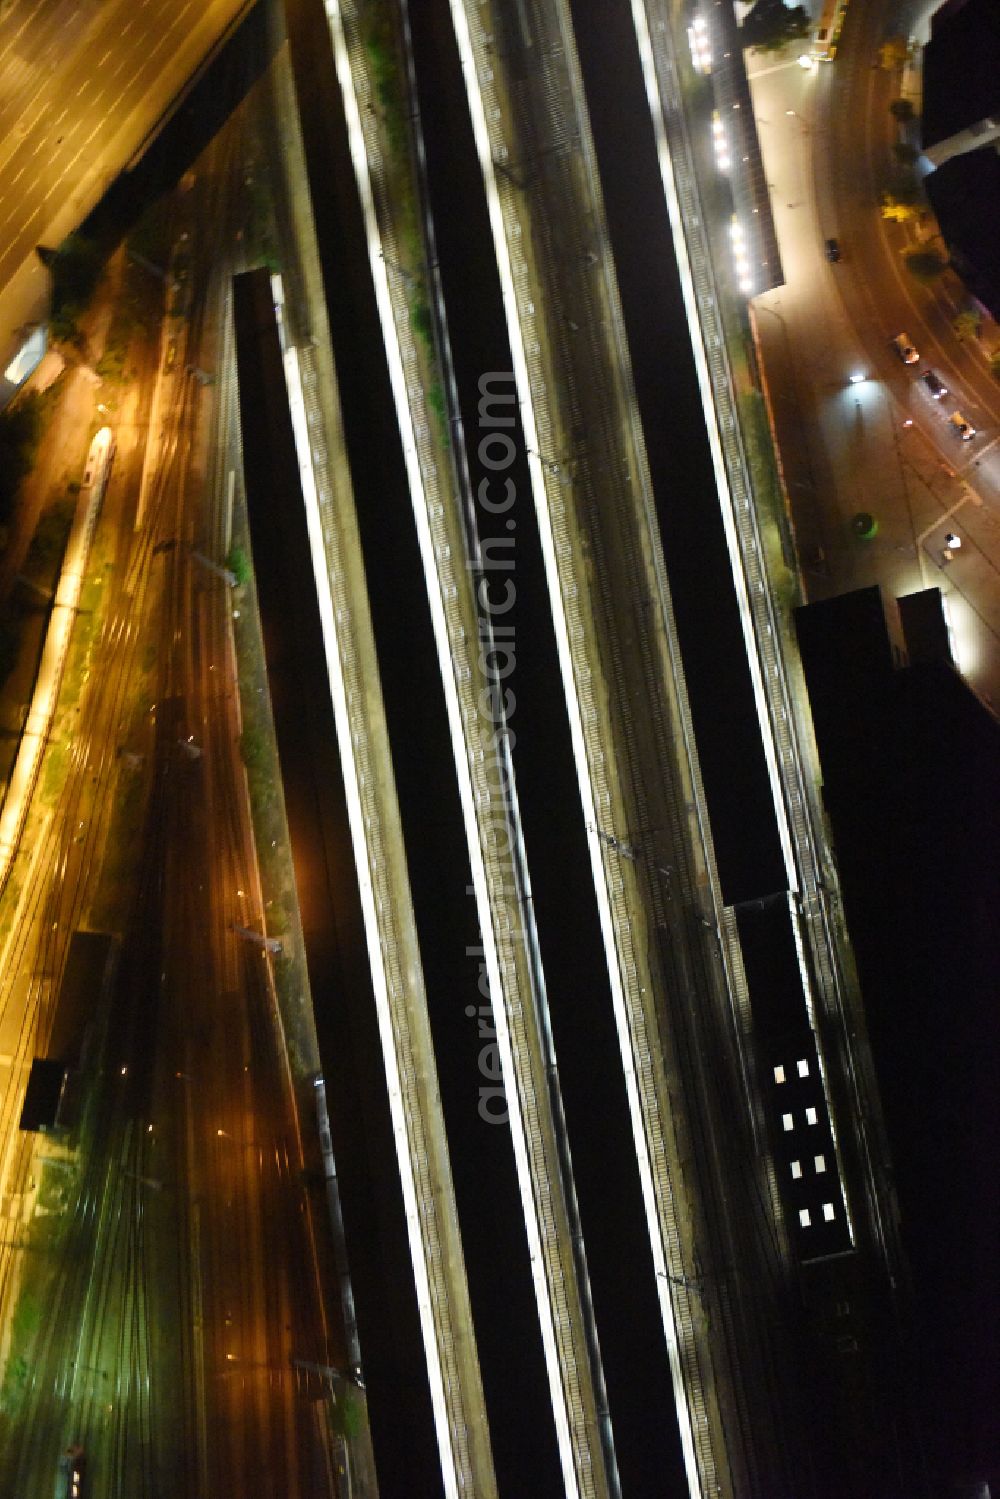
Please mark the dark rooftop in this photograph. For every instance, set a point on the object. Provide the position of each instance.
(42, 1095)
(961, 72)
(965, 196)
(911, 772)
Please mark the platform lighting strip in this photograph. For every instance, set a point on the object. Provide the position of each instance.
(38, 721)
(711, 423)
(722, 481)
(491, 955)
(338, 690)
(561, 628)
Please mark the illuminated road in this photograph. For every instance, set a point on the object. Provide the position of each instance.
(245, 1253)
(81, 86)
(95, 1268)
(884, 446)
(187, 1281)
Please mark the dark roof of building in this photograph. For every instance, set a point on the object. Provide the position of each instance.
(911, 782)
(965, 196)
(42, 1095)
(961, 76)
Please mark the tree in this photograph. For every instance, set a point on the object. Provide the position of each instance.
(76, 269)
(66, 333)
(905, 187)
(899, 213)
(926, 265)
(894, 52)
(771, 25)
(901, 109)
(20, 431)
(239, 565)
(967, 323)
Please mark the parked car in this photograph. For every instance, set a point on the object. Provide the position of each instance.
(833, 249)
(937, 387)
(905, 350)
(965, 430)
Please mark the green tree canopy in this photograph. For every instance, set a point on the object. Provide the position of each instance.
(967, 323)
(770, 25)
(905, 187)
(20, 428)
(926, 265)
(239, 564)
(894, 52)
(900, 213)
(76, 269)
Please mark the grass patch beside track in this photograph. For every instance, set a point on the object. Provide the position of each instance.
(259, 753)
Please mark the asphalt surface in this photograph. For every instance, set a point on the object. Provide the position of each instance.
(186, 1282)
(884, 446)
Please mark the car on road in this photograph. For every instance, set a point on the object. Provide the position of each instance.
(905, 350)
(833, 249)
(965, 430)
(937, 387)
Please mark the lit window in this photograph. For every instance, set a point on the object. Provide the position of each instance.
(803, 1067)
(786, 1122)
(810, 1116)
(828, 1212)
(796, 1170)
(819, 1162)
(779, 1074)
(804, 1217)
